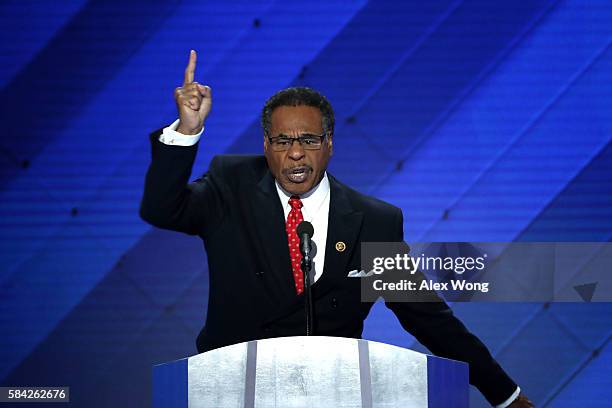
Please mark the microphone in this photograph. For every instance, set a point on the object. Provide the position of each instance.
(305, 231)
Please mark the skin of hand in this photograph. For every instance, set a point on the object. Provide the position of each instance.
(193, 100)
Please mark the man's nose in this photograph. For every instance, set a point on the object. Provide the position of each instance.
(296, 151)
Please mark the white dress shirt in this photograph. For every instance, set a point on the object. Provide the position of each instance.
(315, 210)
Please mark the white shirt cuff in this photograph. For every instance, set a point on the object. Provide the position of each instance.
(510, 400)
(170, 136)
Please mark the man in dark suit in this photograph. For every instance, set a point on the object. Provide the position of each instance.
(245, 209)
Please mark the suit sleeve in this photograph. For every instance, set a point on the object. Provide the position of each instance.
(169, 201)
(436, 327)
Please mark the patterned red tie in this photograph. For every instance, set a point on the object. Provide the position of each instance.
(293, 220)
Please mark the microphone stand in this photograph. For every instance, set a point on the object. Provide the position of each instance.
(306, 267)
(305, 232)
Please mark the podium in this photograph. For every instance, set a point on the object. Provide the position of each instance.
(314, 371)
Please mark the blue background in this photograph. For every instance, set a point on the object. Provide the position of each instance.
(483, 120)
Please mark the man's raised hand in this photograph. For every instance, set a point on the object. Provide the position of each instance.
(193, 101)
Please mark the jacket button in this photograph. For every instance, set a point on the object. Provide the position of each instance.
(334, 302)
(259, 273)
(266, 328)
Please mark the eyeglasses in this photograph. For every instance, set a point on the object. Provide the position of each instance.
(307, 141)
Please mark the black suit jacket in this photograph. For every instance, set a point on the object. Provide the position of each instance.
(236, 211)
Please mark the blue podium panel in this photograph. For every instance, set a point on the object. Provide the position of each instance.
(447, 382)
(311, 371)
(170, 382)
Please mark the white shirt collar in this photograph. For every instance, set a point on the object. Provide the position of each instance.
(311, 200)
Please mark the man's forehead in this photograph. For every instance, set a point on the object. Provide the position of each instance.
(296, 118)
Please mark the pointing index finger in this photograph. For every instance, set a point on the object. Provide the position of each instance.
(190, 70)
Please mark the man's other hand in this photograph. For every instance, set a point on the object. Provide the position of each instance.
(521, 402)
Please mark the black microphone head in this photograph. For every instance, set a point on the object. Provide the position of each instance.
(305, 228)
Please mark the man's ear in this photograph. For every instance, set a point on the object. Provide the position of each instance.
(330, 145)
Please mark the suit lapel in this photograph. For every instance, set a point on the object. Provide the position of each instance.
(344, 225)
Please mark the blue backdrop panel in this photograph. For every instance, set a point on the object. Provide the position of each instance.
(481, 120)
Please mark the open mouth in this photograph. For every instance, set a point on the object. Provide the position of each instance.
(298, 174)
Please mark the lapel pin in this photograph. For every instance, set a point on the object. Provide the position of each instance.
(340, 246)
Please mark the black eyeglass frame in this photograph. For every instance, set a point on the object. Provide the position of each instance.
(301, 139)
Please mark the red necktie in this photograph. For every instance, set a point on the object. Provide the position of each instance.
(293, 220)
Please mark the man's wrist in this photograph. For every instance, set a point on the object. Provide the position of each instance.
(510, 399)
(188, 132)
(171, 136)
